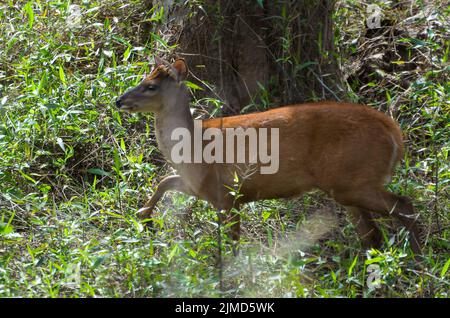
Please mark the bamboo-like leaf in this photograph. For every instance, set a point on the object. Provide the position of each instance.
(29, 10)
(62, 76)
(127, 54)
(350, 269)
(99, 172)
(445, 268)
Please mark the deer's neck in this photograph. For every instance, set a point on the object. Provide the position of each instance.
(175, 114)
(196, 176)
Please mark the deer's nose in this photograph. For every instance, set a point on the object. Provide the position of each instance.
(118, 103)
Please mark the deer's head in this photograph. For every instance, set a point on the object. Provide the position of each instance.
(164, 82)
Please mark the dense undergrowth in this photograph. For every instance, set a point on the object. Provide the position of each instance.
(73, 170)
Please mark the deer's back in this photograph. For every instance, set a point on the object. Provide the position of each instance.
(325, 145)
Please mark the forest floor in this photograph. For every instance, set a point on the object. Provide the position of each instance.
(73, 170)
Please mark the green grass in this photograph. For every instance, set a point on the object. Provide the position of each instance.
(73, 172)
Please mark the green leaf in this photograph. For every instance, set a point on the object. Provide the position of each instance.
(116, 215)
(122, 145)
(445, 268)
(126, 54)
(29, 10)
(117, 161)
(173, 252)
(27, 176)
(98, 261)
(99, 172)
(41, 82)
(305, 65)
(350, 269)
(374, 260)
(192, 253)
(137, 225)
(5, 228)
(333, 276)
(62, 76)
(193, 86)
(266, 215)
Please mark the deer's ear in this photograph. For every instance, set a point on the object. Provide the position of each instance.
(181, 68)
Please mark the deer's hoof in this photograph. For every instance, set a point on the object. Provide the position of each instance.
(144, 213)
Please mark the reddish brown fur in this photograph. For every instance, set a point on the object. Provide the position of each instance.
(347, 150)
(326, 133)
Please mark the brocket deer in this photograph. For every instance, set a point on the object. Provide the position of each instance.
(349, 151)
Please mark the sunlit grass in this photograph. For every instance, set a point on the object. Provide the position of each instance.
(73, 171)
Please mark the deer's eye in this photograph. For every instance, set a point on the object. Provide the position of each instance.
(152, 87)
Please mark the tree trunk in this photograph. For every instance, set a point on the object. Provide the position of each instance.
(261, 52)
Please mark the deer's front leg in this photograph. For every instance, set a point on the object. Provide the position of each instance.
(168, 183)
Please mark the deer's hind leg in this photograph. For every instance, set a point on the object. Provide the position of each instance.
(386, 204)
(368, 231)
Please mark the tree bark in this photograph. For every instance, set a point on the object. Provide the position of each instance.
(277, 52)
